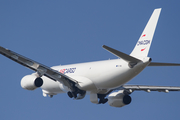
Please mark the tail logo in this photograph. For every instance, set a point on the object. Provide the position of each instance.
(144, 35)
(143, 42)
(67, 70)
(143, 49)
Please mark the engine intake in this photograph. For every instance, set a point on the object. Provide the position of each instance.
(31, 82)
(118, 99)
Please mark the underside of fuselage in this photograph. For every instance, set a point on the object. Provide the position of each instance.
(99, 77)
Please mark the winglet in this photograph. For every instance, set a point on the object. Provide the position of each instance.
(131, 60)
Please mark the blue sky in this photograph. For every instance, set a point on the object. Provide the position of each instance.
(64, 32)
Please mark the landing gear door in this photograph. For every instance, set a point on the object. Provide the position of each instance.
(94, 98)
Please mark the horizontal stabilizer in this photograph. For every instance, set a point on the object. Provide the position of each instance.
(119, 54)
(163, 64)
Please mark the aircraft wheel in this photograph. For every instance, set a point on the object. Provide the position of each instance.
(70, 94)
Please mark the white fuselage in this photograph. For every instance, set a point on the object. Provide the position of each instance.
(98, 76)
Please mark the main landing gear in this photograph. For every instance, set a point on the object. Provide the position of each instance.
(79, 94)
(102, 99)
(70, 94)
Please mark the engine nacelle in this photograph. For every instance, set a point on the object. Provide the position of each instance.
(31, 82)
(118, 99)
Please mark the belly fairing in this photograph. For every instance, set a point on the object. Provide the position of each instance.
(117, 76)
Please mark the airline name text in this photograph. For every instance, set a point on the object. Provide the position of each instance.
(143, 42)
(67, 70)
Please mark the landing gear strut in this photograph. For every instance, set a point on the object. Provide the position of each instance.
(102, 99)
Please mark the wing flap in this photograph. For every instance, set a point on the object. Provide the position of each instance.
(150, 88)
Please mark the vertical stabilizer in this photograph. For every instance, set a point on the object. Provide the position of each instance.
(143, 45)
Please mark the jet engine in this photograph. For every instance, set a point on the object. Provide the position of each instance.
(31, 82)
(118, 99)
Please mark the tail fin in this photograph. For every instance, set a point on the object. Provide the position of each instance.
(143, 45)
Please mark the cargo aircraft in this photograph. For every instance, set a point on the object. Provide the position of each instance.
(105, 81)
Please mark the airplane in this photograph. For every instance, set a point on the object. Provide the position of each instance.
(105, 81)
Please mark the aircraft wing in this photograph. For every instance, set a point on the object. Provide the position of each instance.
(163, 64)
(131, 88)
(39, 68)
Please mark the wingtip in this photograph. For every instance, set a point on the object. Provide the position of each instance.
(103, 46)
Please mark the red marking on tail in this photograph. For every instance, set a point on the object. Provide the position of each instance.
(144, 35)
(143, 49)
